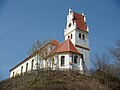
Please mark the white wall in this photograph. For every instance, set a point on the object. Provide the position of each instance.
(70, 30)
(17, 70)
(81, 41)
(84, 43)
(68, 59)
(66, 63)
(57, 59)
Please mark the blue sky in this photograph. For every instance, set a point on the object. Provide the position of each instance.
(24, 21)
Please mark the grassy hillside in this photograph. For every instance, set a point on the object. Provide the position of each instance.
(57, 80)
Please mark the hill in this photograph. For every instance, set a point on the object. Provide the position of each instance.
(57, 80)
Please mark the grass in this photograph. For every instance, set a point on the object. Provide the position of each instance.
(57, 80)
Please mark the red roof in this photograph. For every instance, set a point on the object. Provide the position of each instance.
(66, 46)
(80, 21)
(55, 42)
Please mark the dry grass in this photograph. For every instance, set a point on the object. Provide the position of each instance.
(55, 80)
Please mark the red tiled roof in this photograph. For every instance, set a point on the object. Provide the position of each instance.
(66, 46)
(80, 21)
(55, 42)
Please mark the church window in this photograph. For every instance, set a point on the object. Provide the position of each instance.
(21, 69)
(71, 36)
(26, 67)
(50, 48)
(32, 64)
(13, 74)
(83, 36)
(68, 36)
(75, 59)
(62, 60)
(52, 60)
(69, 25)
(79, 35)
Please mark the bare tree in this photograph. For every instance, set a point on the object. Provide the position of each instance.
(105, 64)
(101, 62)
(40, 51)
(105, 70)
(109, 63)
(115, 52)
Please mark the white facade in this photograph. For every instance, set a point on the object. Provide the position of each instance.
(22, 68)
(61, 60)
(79, 38)
(49, 63)
(68, 58)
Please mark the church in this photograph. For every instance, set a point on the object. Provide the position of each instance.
(72, 53)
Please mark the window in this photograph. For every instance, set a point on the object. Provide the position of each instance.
(50, 48)
(62, 60)
(26, 67)
(21, 69)
(82, 56)
(52, 60)
(71, 36)
(75, 59)
(13, 74)
(68, 36)
(69, 25)
(83, 36)
(79, 35)
(32, 64)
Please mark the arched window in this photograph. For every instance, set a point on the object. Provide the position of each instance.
(83, 36)
(68, 36)
(52, 60)
(80, 35)
(69, 25)
(75, 59)
(13, 74)
(32, 64)
(26, 67)
(62, 60)
(71, 36)
(21, 69)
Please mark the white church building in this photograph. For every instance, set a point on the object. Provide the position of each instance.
(73, 53)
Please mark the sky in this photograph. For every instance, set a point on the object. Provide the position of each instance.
(24, 21)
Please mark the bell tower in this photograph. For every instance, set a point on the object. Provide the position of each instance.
(77, 30)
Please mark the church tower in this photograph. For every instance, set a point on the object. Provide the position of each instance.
(77, 30)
